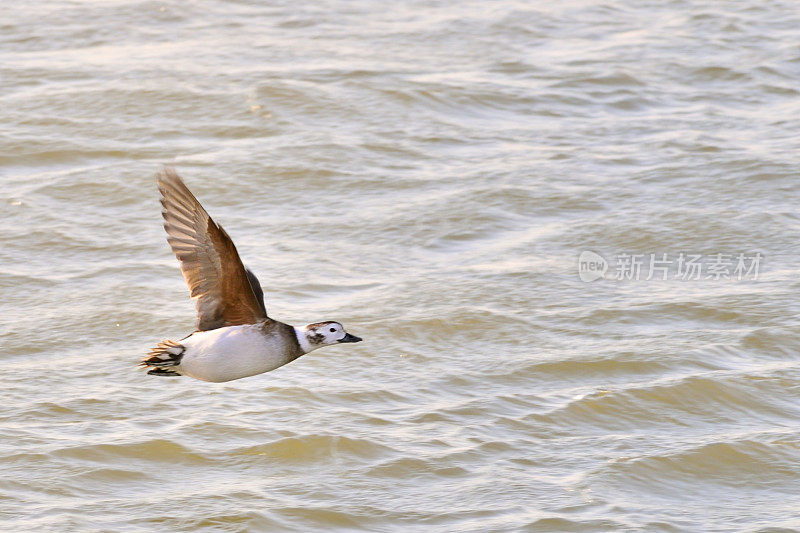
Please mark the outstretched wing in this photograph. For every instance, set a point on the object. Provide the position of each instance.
(259, 292)
(210, 264)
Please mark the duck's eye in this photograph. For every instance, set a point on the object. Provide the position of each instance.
(333, 329)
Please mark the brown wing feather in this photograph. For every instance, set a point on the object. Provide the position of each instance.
(210, 264)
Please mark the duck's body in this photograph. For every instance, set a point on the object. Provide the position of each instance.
(235, 337)
(234, 352)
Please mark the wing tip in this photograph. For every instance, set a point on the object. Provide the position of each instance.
(167, 174)
(168, 180)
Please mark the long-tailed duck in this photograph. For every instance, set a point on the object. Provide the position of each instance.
(235, 338)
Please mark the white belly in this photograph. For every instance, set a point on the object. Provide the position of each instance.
(230, 353)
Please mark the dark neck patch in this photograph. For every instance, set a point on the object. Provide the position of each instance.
(286, 333)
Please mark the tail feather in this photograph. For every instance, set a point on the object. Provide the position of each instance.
(167, 354)
(163, 372)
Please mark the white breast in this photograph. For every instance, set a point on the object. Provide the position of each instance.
(231, 353)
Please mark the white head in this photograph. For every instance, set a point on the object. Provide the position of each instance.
(320, 334)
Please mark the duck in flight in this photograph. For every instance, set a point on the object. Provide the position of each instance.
(235, 338)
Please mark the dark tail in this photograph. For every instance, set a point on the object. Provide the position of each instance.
(164, 356)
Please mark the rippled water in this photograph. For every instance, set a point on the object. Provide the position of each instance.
(428, 173)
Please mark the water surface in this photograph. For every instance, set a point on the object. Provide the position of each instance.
(428, 174)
